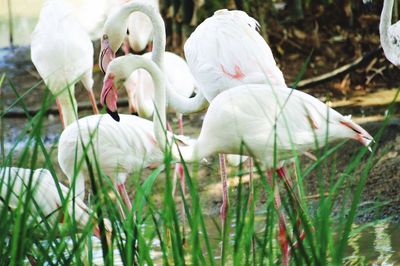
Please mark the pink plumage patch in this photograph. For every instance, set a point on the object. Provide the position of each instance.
(237, 75)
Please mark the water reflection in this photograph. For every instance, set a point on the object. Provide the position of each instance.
(374, 245)
(98, 254)
(370, 246)
(383, 245)
(356, 258)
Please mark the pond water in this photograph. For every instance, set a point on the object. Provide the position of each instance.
(377, 244)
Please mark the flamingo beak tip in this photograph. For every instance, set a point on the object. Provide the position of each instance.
(113, 114)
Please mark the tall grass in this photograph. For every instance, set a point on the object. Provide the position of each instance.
(152, 232)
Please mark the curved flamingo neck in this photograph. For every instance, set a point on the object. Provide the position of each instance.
(144, 101)
(124, 66)
(117, 23)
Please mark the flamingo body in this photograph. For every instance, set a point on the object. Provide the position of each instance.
(226, 50)
(120, 148)
(254, 115)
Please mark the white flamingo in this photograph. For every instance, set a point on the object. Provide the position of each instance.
(63, 54)
(46, 203)
(257, 115)
(120, 149)
(178, 74)
(226, 50)
(390, 34)
(113, 36)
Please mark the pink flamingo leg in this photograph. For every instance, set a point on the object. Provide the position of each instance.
(124, 196)
(180, 124)
(251, 176)
(283, 243)
(179, 171)
(93, 102)
(225, 200)
(60, 112)
(282, 173)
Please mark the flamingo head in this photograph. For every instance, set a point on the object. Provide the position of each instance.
(106, 53)
(356, 132)
(109, 96)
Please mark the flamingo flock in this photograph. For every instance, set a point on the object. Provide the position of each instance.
(227, 61)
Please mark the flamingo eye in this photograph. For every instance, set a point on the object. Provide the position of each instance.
(105, 37)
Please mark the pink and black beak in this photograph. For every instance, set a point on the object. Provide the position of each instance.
(106, 54)
(109, 97)
(361, 134)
